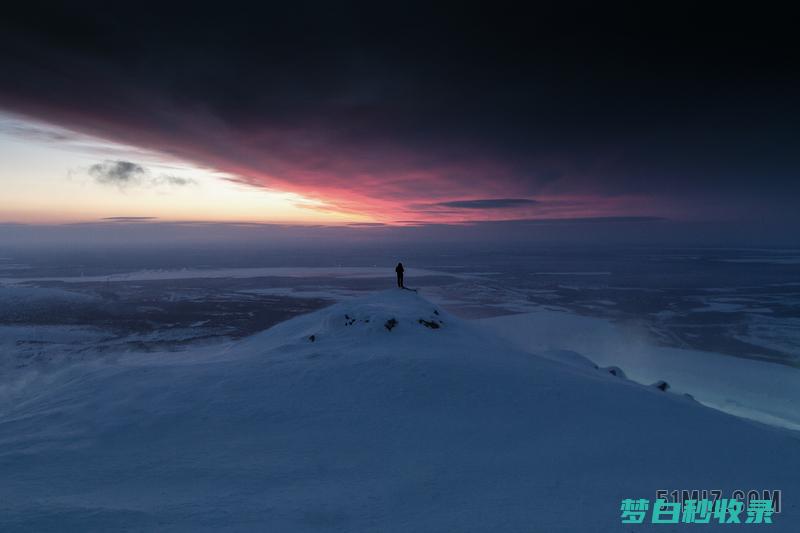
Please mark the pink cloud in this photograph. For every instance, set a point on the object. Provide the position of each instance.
(382, 180)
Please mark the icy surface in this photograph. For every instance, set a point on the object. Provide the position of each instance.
(334, 421)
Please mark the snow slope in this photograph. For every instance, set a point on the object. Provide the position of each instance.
(416, 428)
(759, 390)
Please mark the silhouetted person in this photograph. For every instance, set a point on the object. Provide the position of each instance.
(399, 269)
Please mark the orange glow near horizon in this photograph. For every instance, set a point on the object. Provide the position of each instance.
(46, 182)
(47, 178)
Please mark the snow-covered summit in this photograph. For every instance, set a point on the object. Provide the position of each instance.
(386, 319)
(367, 317)
(335, 421)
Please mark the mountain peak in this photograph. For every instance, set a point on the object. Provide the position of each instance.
(389, 314)
(408, 428)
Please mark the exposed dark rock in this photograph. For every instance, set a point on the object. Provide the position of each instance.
(312, 338)
(391, 323)
(429, 323)
(661, 385)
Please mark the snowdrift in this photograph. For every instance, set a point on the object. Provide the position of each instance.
(382, 413)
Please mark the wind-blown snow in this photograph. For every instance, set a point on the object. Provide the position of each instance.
(759, 390)
(367, 427)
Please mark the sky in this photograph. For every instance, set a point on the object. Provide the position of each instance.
(405, 115)
(51, 175)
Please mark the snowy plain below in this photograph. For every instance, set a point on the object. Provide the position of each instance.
(379, 413)
(170, 398)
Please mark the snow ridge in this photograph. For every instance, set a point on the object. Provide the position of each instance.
(366, 428)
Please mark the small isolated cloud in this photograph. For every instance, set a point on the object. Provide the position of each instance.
(176, 181)
(129, 219)
(488, 203)
(125, 174)
(121, 173)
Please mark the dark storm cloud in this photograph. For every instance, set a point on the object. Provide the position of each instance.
(689, 106)
(491, 203)
(121, 173)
